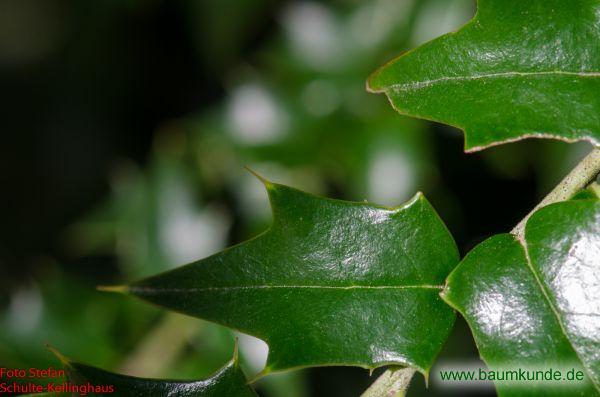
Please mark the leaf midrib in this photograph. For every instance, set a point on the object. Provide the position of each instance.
(556, 313)
(266, 287)
(425, 83)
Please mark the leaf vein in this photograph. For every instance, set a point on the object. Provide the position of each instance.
(412, 86)
(267, 287)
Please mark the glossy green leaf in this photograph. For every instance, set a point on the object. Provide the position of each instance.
(228, 381)
(536, 304)
(330, 283)
(518, 69)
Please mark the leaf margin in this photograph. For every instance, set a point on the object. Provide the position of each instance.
(374, 89)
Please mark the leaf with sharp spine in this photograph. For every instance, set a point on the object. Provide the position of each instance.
(330, 283)
(227, 381)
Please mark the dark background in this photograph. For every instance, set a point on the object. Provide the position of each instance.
(107, 105)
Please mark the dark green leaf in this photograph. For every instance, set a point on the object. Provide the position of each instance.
(518, 69)
(536, 304)
(330, 283)
(228, 381)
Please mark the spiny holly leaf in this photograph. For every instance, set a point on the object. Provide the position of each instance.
(519, 69)
(330, 283)
(228, 381)
(536, 304)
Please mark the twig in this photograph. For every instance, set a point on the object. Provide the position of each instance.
(581, 176)
(392, 383)
(161, 347)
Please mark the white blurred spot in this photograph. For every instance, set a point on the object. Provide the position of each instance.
(320, 97)
(391, 177)
(373, 21)
(254, 350)
(187, 233)
(314, 35)
(440, 17)
(254, 117)
(25, 310)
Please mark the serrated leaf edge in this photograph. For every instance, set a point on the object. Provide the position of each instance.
(233, 362)
(270, 187)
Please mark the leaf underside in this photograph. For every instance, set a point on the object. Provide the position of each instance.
(330, 283)
(536, 305)
(228, 381)
(519, 69)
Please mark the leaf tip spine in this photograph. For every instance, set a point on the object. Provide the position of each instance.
(121, 289)
(417, 197)
(59, 355)
(261, 178)
(266, 371)
(426, 376)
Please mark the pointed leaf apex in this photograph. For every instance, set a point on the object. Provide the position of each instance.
(417, 197)
(261, 178)
(266, 371)
(63, 359)
(291, 265)
(122, 289)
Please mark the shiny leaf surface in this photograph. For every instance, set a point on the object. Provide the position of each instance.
(228, 381)
(536, 305)
(518, 69)
(330, 283)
